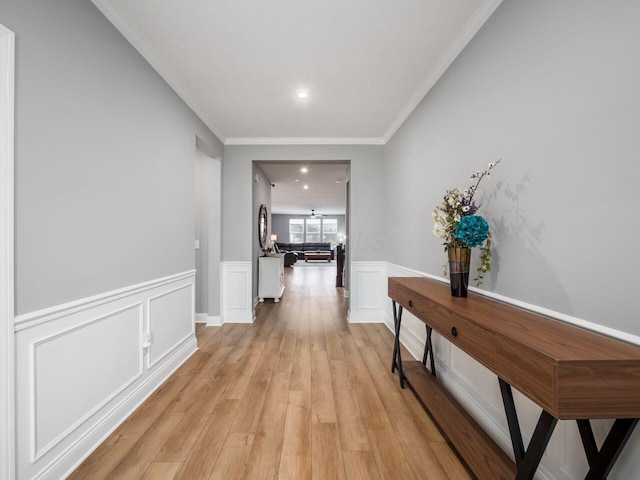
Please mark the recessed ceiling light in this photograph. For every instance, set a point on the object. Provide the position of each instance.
(304, 169)
(302, 93)
(297, 180)
(306, 187)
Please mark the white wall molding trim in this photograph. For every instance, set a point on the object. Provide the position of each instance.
(158, 65)
(237, 304)
(305, 141)
(367, 292)
(29, 320)
(7, 426)
(397, 270)
(465, 36)
(201, 317)
(81, 367)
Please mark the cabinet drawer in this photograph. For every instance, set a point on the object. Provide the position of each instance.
(473, 339)
(469, 337)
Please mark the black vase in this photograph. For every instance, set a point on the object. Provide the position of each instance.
(459, 260)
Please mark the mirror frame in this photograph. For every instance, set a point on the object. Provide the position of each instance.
(263, 225)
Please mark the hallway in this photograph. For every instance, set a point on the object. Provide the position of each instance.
(299, 394)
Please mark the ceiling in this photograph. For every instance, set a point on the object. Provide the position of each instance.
(238, 64)
(326, 181)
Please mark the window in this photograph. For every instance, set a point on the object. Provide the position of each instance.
(330, 230)
(296, 230)
(313, 230)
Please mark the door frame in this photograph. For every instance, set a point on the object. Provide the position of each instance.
(7, 309)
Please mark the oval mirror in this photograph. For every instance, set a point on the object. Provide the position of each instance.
(262, 226)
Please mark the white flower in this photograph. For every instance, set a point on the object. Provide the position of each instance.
(439, 230)
(466, 208)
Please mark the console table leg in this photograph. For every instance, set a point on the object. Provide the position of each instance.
(512, 420)
(395, 344)
(396, 362)
(428, 351)
(601, 461)
(588, 440)
(526, 461)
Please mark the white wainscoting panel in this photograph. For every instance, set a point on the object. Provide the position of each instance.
(110, 348)
(368, 292)
(80, 368)
(237, 304)
(171, 321)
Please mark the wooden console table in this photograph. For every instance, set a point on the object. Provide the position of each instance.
(572, 373)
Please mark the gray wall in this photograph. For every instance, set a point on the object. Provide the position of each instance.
(552, 88)
(367, 195)
(280, 225)
(105, 155)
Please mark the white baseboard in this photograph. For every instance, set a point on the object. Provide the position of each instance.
(107, 353)
(367, 317)
(214, 321)
(209, 320)
(240, 318)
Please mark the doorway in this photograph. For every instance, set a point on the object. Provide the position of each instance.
(208, 180)
(309, 212)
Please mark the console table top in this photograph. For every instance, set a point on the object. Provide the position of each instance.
(551, 337)
(569, 371)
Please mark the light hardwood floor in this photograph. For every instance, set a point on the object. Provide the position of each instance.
(300, 394)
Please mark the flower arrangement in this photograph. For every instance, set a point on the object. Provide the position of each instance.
(458, 225)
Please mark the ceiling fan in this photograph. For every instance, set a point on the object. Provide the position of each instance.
(314, 214)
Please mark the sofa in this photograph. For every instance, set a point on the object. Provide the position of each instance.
(300, 248)
(289, 257)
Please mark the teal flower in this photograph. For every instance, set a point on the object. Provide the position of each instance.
(472, 230)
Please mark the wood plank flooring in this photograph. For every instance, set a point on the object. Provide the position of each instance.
(300, 394)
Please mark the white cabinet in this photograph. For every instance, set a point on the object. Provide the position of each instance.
(270, 277)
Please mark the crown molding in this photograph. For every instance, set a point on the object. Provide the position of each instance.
(472, 28)
(304, 141)
(474, 25)
(156, 63)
